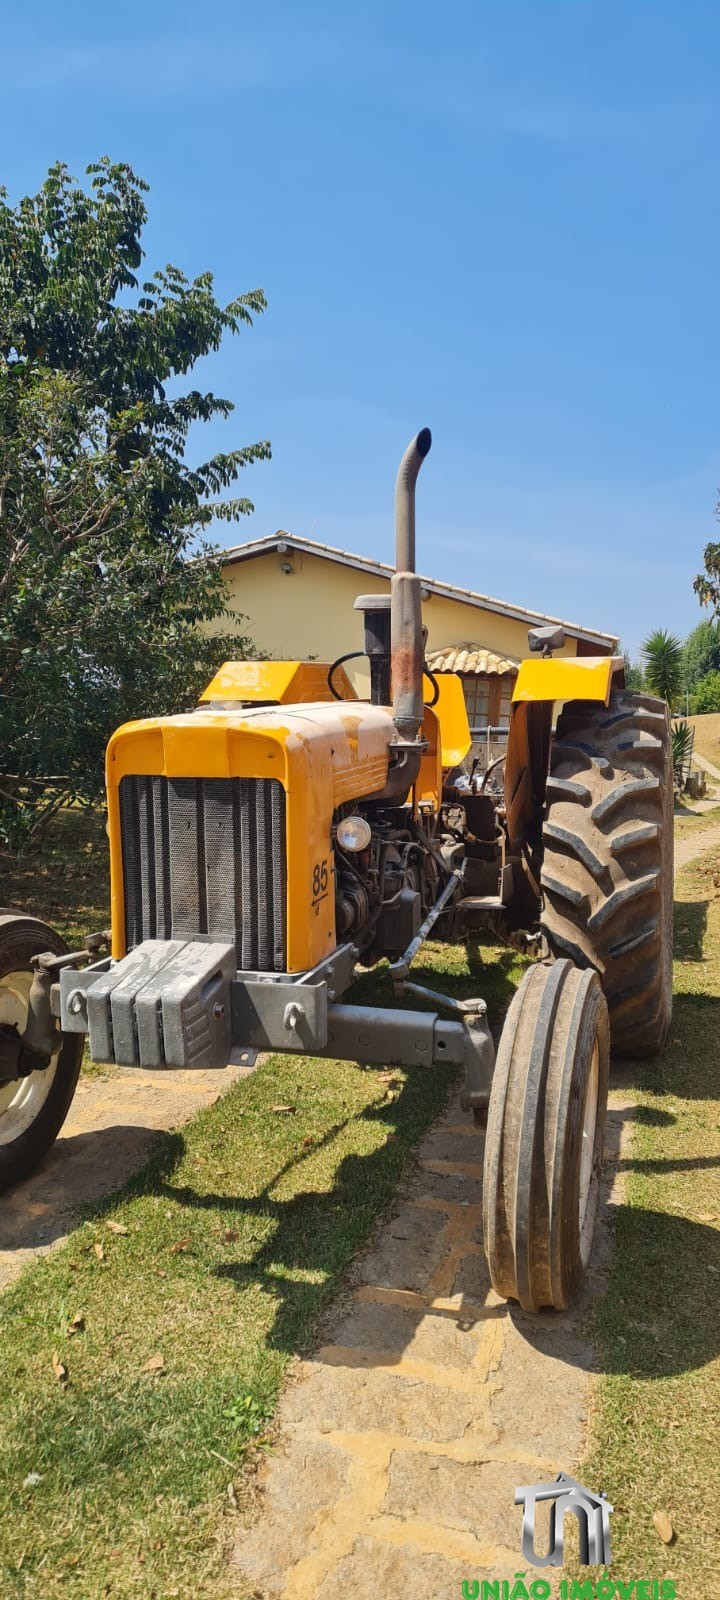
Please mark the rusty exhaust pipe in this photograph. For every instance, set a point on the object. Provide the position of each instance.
(406, 617)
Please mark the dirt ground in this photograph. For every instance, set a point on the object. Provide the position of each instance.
(695, 844)
(112, 1123)
(707, 742)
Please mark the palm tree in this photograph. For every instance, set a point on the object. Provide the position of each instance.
(662, 654)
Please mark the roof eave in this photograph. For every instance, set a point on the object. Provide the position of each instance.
(382, 569)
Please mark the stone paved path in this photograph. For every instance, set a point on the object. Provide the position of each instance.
(403, 1438)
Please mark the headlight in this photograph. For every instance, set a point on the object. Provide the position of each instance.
(353, 833)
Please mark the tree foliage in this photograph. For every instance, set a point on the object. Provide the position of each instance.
(706, 695)
(662, 654)
(701, 653)
(634, 674)
(707, 583)
(99, 506)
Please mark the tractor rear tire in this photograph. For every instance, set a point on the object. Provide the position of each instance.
(545, 1137)
(32, 1109)
(607, 873)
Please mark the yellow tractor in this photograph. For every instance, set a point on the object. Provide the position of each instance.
(286, 833)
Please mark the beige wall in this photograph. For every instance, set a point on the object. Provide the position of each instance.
(310, 611)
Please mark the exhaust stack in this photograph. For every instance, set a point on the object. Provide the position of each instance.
(406, 618)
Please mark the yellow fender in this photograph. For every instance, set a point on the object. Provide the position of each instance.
(567, 678)
(541, 685)
(451, 712)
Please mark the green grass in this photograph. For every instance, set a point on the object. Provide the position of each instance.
(240, 1230)
(654, 1444)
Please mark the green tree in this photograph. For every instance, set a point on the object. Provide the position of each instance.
(701, 653)
(100, 509)
(662, 654)
(706, 695)
(707, 583)
(634, 675)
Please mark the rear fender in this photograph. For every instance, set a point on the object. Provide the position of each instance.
(541, 687)
(568, 678)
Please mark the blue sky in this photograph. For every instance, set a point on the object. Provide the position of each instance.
(497, 219)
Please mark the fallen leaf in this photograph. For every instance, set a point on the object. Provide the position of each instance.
(182, 1244)
(59, 1368)
(162, 1274)
(663, 1526)
(707, 1216)
(100, 1253)
(308, 1141)
(230, 1235)
(284, 1108)
(117, 1227)
(76, 1324)
(232, 1497)
(154, 1363)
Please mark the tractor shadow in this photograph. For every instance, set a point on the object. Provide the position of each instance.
(650, 1297)
(638, 1276)
(79, 1172)
(690, 929)
(420, 1271)
(301, 1265)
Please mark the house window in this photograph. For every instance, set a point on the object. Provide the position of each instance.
(477, 699)
(506, 693)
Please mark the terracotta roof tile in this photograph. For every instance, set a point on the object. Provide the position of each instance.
(471, 658)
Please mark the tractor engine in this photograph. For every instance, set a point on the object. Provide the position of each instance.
(383, 887)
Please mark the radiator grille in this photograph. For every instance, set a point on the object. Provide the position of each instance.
(206, 855)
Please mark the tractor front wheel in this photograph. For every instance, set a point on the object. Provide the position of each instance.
(33, 1108)
(545, 1136)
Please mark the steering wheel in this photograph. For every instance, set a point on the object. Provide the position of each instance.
(352, 655)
